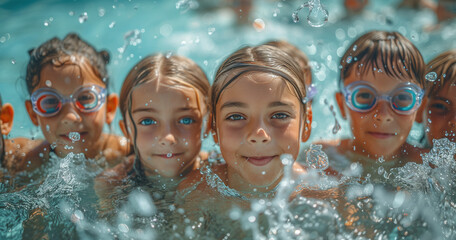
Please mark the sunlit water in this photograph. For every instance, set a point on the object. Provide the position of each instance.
(58, 200)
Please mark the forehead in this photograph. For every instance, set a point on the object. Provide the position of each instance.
(378, 78)
(160, 93)
(258, 87)
(67, 77)
(447, 91)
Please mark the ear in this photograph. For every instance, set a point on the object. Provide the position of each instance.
(306, 130)
(421, 110)
(123, 128)
(213, 129)
(341, 103)
(32, 114)
(111, 106)
(6, 116)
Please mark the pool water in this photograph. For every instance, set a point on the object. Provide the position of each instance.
(58, 201)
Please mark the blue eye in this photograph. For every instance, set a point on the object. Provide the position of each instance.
(147, 122)
(235, 117)
(280, 116)
(186, 121)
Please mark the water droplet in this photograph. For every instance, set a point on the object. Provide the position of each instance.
(259, 24)
(83, 17)
(13, 61)
(46, 23)
(336, 127)
(318, 16)
(349, 59)
(252, 219)
(355, 47)
(74, 136)
(211, 30)
(316, 158)
(101, 12)
(185, 5)
(123, 228)
(169, 155)
(71, 13)
(112, 24)
(295, 17)
(48, 83)
(48, 129)
(431, 77)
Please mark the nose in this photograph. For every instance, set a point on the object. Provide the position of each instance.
(382, 112)
(71, 115)
(258, 134)
(168, 138)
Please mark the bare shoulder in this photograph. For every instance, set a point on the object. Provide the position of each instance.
(25, 154)
(113, 177)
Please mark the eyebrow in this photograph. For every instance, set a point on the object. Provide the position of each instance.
(443, 99)
(144, 110)
(279, 104)
(244, 105)
(150, 109)
(233, 104)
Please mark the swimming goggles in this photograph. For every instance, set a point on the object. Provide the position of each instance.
(362, 97)
(47, 102)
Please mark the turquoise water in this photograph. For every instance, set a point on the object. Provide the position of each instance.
(65, 191)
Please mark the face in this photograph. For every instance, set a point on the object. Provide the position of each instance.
(258, 118)
(440, 114)
(168, 122)
(380, 131)
(71, 130)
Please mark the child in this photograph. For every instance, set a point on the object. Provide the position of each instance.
(439, 108)
(381, 84)
(163, 104)
(69, 101)
(257, 115)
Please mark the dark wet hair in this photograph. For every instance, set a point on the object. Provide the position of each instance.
(299, 56)
(391, 52)
(444, 65)
(54, 52)
(261, 58)
(170, 70)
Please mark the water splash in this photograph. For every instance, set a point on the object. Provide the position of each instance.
(132, 38)
(317, 16)
(316, 158)
(185, 5)
(337, 126)
(74, 136)
(431, 77)
(83, 17)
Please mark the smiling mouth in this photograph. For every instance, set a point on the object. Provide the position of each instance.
(73, 137)
(260, 161)
(169, 155)
(381, 135)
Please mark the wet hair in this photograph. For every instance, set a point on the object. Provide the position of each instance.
(299, 56)
(444, 65)
(169, 70)
(389, 52)
(60, 52)
(261, 58)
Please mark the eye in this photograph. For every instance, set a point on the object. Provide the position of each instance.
(439, 107)
(235, 117)
(147, 122)
(186, 120)
(280, 116)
